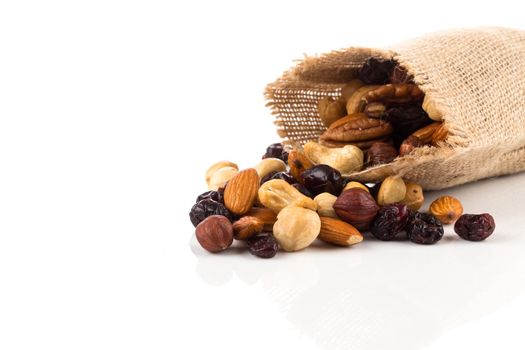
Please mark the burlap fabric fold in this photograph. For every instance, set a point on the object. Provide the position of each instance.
(476, 77)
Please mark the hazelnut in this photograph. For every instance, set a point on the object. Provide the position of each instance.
(409, 144)
(357, 207)
(215, 233)
(414, 196)
(330, 110)
(296, 228)
(446, 209)
(392, 190)
(380, 153)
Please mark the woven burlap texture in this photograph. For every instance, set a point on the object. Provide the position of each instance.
(475, 76)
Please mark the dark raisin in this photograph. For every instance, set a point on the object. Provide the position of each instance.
(390, 220)
(208, 207)
(475, 227)
(374, 189)
(214, 195)
(406, 120)
(423, 228)
(276, 150)
(285, 176)
(322, 178)
(400, 75)
(268, 177)
(263, 245)
(303, 190)
(376, 71)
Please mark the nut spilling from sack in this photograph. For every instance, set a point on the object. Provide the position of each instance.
(383, 113)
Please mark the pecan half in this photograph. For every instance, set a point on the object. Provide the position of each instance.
(361, 144)
(357, 127)
(395, 93)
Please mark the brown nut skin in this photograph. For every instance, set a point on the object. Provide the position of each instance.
(446, 209)
(241, 191)
(440, 134)
(414, 197)
(357, 207)
(298, 163)
(426, 133)
(357, 127)
(409, 145)
(246, 227)
(267, 216)
(395, 93)
(215, 233)
(380, 153)
(338, 232)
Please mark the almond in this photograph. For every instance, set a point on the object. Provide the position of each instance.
(338, 232)
(246, 227)
(425, 134)
(266, 215)
(241, 191)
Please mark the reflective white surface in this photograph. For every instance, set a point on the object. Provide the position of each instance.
(391, 294)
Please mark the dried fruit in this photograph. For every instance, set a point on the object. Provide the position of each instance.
(409, 145)
(322, 178)
(325, 204)
(296, 228)
(355, 184)
(406, 120)
(357, 207)
(278, 194)
(429, 105)
(263, 245)
(346, 159)
(338, 232)
(269, 165)
(276, 150)
(241, 191)
(349, 89)
(414, 196)
(376, 71)
(214, 195)
(390, 220)
(215, 233)
(279, 175)
(357, 127)
(423, 228)
(221, 177)
(475, 227)
(375, 109)
(298, 163)
(395, 93)
(299, 187)
(330, 110)
(380, 153)
(246, 227)
(207, 207)
(446, 209)
(392, 190)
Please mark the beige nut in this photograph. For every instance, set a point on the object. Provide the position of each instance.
(392, 190)
(277, 194)
(356, 102)
(330, 110)
(216, 167)
(348, 89)
(296, 228)
(221, 177)
(431, 108)
(354, 184)
(414, 196)
(346, 160)
(268, 165)
(325, 204)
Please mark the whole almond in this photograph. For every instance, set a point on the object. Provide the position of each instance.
(246, 227)
(266, 215)
(241, 191)
(426, 133)
(338, 232)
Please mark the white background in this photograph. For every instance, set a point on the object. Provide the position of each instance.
(110, 112)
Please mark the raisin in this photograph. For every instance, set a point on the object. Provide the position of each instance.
(390, 220)
(276, 150)
(263, 245)
(423, 228)
(282, 175)
(475, 227)
(268, 177)
(322, 178)
(208, 207)
(214, 195)
(376, 71)
(407, 119)
(303, 190)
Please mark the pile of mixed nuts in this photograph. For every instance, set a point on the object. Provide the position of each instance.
(297, 194)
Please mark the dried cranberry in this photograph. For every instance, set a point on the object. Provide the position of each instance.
(390, 220)
(303, 190)
(214, 195)
(322, 178)
(423, 228)
(376, 71)
(406, 120)
(208, 207)
(276, 150)
(263, 245)
(475, 227)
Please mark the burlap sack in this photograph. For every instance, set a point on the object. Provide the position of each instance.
(475, 76)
